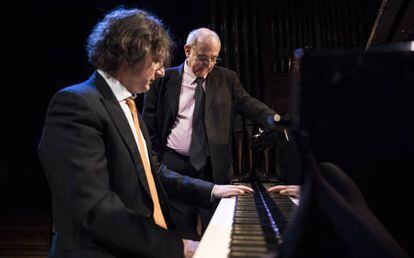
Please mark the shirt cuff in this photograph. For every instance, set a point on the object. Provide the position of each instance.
(212, 196)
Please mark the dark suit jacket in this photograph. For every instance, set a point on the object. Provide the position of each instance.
(101, 201)
(224, 98)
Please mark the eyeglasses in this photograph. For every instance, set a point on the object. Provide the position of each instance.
(158, 66)
(206, 60)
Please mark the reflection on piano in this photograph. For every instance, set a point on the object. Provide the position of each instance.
(247, 226)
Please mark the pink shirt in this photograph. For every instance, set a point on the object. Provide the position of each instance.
(180, 136)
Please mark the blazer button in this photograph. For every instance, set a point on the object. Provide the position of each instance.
(149, 215)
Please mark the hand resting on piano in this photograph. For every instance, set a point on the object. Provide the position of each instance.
(290, 190)
(223, 191)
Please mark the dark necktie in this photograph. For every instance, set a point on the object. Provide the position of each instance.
(198, 147)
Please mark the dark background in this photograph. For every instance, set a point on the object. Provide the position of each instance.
(45, 51)
(46, 47)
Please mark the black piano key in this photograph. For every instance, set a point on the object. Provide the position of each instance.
(248, 233)
(239, 254)
(249, 248)
(248, 242)
(258, 223)
(248, 237)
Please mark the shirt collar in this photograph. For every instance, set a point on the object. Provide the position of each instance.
(121, 93)
(188, 72)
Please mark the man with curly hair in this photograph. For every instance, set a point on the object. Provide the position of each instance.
(108, 196)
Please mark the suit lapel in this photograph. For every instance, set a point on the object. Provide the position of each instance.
(118, 116)
(174, 88)
(211, 88)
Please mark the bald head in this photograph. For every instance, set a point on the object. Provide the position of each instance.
(203, 36)
(202, 49)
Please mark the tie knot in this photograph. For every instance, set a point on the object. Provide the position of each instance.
(199, 80)
(131, 104)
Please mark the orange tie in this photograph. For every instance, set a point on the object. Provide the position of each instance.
(158, 216)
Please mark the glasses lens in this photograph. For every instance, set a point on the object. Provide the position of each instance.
(206, 60)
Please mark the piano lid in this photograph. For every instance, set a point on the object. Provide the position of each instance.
(394, 23)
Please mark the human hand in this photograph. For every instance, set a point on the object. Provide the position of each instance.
(291, 190)
(264, 140)
(223, 191)
(190, 247)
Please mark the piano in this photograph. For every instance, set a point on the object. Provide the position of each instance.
(251, 225)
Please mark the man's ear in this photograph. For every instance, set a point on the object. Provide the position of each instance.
(187, 50)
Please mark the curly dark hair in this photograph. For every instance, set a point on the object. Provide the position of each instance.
(128, 35)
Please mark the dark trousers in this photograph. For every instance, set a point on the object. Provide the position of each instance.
(185, 216)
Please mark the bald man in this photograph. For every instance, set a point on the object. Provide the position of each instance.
(190, 114)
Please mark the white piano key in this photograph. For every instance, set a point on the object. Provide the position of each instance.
(294, 200)
(216, 240)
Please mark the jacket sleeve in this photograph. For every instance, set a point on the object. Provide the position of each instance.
(72, 151)
(250, 107)
(189, 190)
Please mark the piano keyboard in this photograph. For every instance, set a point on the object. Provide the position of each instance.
(247, 226)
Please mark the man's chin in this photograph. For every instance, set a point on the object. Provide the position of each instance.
(147, 87)
(142, 89)
(202, 74)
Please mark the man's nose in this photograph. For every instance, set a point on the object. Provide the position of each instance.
(210, 65)
(160, 72)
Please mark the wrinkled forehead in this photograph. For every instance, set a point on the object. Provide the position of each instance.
(208, 46)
